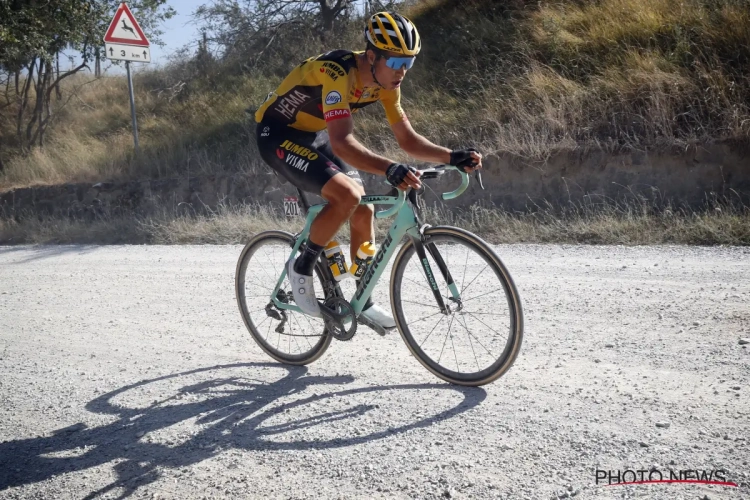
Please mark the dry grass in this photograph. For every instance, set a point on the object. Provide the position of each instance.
(521, 77)
(613, 74)
(201, 133)
(635, 221)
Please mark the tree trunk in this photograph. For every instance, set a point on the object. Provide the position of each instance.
(327, 17)
(7, 89)
(24, 101)
(36, 113)
(58, 94)
(18, 76)
(36, 125)
(98, 64)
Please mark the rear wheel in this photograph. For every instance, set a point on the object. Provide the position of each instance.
(479, 338)
(287, 336)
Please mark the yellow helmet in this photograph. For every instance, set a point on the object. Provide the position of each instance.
(394, 33)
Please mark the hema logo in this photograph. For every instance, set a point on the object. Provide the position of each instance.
(335, 114)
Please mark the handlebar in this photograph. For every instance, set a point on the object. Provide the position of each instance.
(429, 173)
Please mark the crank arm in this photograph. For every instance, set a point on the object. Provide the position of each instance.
(332, 315)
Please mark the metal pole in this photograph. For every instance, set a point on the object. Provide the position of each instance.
(132, 108)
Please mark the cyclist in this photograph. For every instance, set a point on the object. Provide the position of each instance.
(304, 133)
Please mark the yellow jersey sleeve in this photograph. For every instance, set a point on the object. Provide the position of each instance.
(391, 101)
(335, 90)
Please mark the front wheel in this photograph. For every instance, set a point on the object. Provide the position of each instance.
(478, 337)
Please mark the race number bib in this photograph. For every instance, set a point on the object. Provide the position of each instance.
(291, 206)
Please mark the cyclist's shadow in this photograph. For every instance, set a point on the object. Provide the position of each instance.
(229, 412)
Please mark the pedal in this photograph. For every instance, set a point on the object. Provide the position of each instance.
(373, 326)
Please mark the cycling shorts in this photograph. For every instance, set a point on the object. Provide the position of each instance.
(305, 159)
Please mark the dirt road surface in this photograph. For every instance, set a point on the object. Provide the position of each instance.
(126, 372)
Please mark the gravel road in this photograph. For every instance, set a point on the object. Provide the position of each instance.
(126, 371)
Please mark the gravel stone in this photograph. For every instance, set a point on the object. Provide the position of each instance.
(127, 371)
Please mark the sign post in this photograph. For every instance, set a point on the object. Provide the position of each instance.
(125, 41)
(132, 109)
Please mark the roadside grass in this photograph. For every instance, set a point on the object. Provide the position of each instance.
(520, 77)
(721, 221)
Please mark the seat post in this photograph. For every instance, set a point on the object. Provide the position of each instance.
(304, 202)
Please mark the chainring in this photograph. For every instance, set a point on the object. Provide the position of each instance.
(343, 309)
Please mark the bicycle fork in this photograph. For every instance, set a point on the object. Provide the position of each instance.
(420, 244)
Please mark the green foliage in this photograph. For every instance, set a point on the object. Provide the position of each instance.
(33, 34)
(35, 29)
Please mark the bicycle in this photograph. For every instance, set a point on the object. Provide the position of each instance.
(448, 294)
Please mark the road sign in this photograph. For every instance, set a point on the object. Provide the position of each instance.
(124, 29)
(125, 41)
(122, 52)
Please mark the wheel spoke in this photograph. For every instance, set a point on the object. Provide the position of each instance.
(466, 265)
(306, 337)
(433, 329)
(264, 267)
(312, 328)
(295, 336)
(478, 341)
(264, 320)
(455, 354)
(420, 303)
(257, 284)
(475, 278)
(482, 295)
(450, 325)
(424, 317)
(485, 324)
(420, 285)
(460, 321)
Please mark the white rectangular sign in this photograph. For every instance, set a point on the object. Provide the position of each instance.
(122, 52)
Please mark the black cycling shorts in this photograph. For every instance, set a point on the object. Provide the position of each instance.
(303, 158)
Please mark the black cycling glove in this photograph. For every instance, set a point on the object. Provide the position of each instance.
(396, 173)
(461, 158)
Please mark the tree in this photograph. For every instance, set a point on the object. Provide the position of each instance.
(32, 35)
(246, 29)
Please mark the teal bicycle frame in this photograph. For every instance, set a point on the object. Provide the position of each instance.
(406, 223)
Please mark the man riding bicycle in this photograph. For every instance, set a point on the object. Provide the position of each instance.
(305, 130)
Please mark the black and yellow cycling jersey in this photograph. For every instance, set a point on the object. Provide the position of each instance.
(325, 88)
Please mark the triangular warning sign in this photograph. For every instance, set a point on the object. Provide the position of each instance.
(124, 29)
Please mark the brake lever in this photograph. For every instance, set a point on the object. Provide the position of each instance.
(479, 178)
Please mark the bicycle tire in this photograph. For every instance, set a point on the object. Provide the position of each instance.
(321, 345)
(515, 337)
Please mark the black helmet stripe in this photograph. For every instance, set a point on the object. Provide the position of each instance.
(406, 31)
(376, 30)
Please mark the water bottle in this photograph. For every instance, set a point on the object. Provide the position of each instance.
(336, 261)
(365, 253)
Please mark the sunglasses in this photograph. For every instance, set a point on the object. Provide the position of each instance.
(400, 62)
